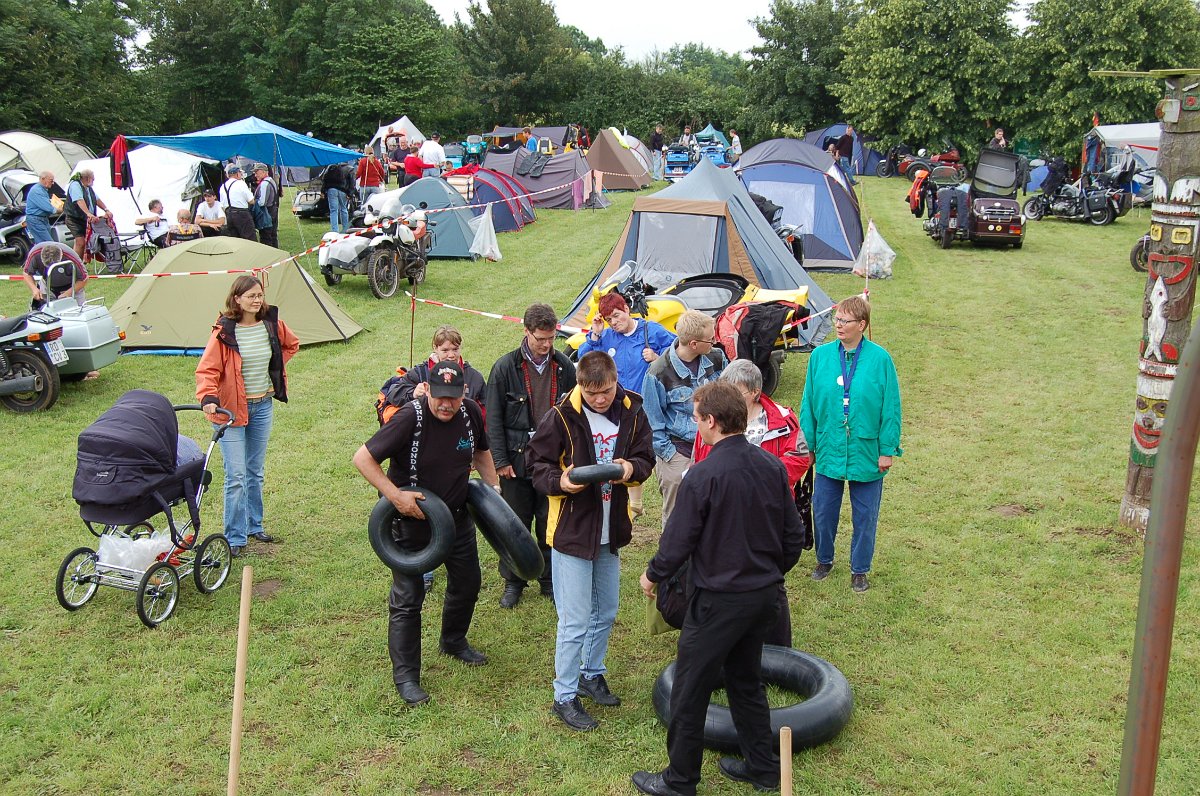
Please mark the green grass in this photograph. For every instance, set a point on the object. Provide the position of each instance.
(991, 654)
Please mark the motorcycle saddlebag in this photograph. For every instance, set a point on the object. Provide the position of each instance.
(1096, 201)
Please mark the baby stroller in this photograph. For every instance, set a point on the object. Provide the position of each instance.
(132, 465)
(104, 245)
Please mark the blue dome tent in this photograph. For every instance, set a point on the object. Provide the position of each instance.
(864, 161)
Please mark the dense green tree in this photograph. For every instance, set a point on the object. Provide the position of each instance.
(1062, 45)
(922, 71)
(717, 67)
(519, 60)
(793, 70)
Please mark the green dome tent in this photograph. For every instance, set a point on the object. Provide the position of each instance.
(179, 312)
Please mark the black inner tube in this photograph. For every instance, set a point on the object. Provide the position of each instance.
(412, 562)
(596, 473)
(504, 531)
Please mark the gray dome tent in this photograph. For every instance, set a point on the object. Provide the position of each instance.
(707, 223)
(452, 234)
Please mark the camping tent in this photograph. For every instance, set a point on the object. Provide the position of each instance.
(1105, 143)
(864, 161)
(706, 223)
(812, 191)
(562, 178)
(511, 208)
(711, 135)
(639, 150)
(173, 177)
(402, 124)
(256, 140)
(170, 312)
(622, 170)
(20, 149)
(452, 234)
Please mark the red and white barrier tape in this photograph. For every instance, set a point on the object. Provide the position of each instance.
(496, 315)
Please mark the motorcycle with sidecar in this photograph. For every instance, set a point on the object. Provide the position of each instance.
(398, 247)
(981, 210)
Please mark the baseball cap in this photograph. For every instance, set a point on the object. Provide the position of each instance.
(446, 380)
(261, 167)
(232, 169)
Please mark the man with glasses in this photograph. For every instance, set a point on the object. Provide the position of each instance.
(523, 386)
(850, 415)
(667, 390)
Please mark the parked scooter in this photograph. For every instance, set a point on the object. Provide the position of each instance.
(890, 165)
(31, 350)
(400, 247)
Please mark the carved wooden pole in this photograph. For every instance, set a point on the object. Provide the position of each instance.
(1170, 283)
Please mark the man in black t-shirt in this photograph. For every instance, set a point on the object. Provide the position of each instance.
(431, 443)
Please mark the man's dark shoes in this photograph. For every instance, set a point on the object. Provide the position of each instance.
(235, 550)
(859, 582)
(512, 595)
(574, 716)
(596, 689)
(547, 590)
(468, 655)
(263, 537)
(736, 770)
(821, 571)
(412, 692)
(653, 784)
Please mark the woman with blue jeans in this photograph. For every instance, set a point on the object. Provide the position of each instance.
(242, 370)
(850, 416)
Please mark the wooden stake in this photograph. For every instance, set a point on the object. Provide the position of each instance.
(239, 682)
(785, 760)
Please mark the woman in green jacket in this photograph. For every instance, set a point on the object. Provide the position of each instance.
(850, 415)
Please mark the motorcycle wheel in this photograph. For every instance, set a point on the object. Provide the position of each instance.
(884, 169)
(417, 266)
(1034, 209)
(947, 237)
(332, 277)
(1104, 215)
(30, 363)
(22, 246)
(914, 168)
(1139, 256)
(383, 273)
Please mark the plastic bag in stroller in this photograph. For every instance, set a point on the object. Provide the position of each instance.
(104, 246)
(132, 465)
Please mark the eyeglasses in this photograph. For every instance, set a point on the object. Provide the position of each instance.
(844, 321)
(705, 342)
(549, 339)
(253, 296)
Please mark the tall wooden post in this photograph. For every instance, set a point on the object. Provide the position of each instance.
(1170, 283)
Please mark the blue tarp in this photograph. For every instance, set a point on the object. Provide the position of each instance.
(254, 139)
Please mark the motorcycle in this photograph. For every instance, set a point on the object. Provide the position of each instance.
(890, 165)
(1139, 255)
(474, 149)
(31, 350)
(949, 156)
(400, 246)
(1098, 202)
(711, 294)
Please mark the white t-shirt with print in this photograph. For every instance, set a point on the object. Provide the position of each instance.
(604, 438)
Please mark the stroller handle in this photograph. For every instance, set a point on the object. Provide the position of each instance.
(220, 432)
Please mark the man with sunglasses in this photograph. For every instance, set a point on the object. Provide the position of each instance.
(850, 416)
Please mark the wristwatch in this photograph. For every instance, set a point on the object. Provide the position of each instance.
(497, 488)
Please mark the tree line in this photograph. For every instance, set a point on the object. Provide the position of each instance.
(899, 69)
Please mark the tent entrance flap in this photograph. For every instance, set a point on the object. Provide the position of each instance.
(689, 239)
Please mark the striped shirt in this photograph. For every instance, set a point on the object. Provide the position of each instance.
(255, 348)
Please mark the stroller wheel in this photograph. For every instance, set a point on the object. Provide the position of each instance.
(77, 579)
(157, 594)
(211, 566)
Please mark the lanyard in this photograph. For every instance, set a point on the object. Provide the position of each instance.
(847, 378)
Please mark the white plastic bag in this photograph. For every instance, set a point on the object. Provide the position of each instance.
(484, 244)
(876, 257)
(133, 553)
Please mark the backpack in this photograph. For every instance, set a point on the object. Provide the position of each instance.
(386, 403)
(749, 330)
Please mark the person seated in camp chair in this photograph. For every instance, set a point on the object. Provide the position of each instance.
(209, 216)
(157, 228)
(183, 229)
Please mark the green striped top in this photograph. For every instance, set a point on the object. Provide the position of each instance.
(255, 348)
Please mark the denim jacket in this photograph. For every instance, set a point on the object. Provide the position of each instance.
(667, 395)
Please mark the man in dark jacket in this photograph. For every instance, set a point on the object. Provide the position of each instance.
(736, 520)
(845, 150)
(597, 422)
(524, 385)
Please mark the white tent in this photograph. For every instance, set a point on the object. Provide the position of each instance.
(1141, 138)
(158, 173)
(38, 153)
(401, 124)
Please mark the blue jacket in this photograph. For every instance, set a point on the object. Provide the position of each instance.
(37, 203)
(626, 350)
(667, 398)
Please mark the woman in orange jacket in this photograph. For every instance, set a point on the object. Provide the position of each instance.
(242, 370)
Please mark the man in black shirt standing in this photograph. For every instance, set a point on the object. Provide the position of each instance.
(431, 443)
(735, 519)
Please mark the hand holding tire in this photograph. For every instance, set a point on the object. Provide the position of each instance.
(406, 504)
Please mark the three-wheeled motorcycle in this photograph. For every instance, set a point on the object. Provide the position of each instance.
(982, 210)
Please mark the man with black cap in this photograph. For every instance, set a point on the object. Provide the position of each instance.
(266, 196)
(431, 152)
(431, 443)
(236, 198)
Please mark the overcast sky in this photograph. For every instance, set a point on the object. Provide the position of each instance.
(639, 26)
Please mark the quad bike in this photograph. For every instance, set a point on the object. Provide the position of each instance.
(992, 215)
(711, 294)
(400, 247)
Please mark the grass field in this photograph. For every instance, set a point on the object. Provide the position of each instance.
(991, 655)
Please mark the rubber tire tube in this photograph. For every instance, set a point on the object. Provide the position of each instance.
(504, 531)
(825, 710)
(596, 474)
(407, 562)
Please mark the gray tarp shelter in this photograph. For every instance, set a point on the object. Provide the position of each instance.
(566, 172)
(707, 223)
(556, 134)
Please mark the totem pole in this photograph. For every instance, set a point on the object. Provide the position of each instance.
(1170, 284)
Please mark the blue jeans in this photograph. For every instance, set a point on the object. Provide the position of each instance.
(244, 451)
(339, 210)
(865, 497)
(585, 594)
(846, 167)
(367, 191)
(656, 165)
(38, 228)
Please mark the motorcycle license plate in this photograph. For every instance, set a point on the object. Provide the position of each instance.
(57, 352)
(677, 171)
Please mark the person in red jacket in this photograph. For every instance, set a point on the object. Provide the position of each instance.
(414, 167)
(775, 429)
(370, 175)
